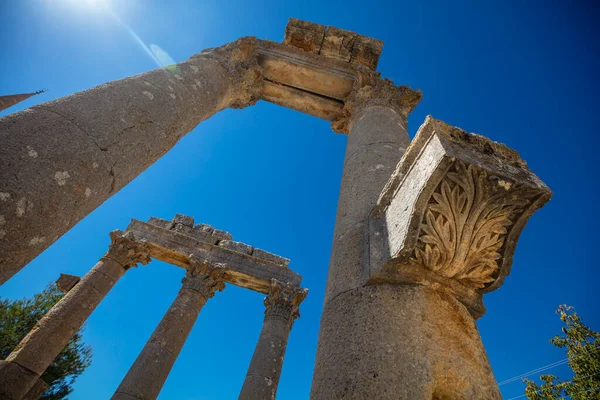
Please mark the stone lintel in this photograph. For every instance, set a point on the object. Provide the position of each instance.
(245, 265)
(329, 73)
(452, 212)
(306, 71)
(67, 282)
(302, 101)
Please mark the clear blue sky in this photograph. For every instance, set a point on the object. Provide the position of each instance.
(522, 74)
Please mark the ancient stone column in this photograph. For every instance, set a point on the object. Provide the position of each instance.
(441, 235)
(282, 305)
(348, 350)
(60, 160)
(22, 368)
(150, 370)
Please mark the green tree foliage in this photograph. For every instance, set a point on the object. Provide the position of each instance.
(17, 317)
(582, 346)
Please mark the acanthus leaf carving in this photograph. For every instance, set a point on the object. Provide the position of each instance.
(466, 223)
(284, 301)
(204, 277)
(127, 250)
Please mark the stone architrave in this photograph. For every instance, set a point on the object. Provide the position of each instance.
(28, 361)
(150, 370)
(247, 266)
(282, 306)
(375, 120)
(60, 160)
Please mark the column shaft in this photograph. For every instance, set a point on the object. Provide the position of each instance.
(388, 341)
(263, 374)
(60, 160)
(393, 342)
(376, 142)
(282, 306)
(23, 367)
(147, 375)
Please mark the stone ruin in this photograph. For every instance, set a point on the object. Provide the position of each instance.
(424, 227)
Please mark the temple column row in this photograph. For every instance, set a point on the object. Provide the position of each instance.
(20, 373)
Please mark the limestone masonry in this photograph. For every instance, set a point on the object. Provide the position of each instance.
(424, 228)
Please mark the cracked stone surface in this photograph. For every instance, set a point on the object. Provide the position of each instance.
(60, 160)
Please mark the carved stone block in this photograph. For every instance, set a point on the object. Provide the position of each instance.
(236, 246)
(66, 282)
(452, 212)
(162, 223)
(338, 43)
(265, 255)
(366, 51)
(221, 235)
(304, 35)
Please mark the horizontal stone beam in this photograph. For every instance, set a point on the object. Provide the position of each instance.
(305, 102)
(246, 266)
(316, 67)
(307, 71)
(452, 212)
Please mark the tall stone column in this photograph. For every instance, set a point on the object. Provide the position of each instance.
(60, 160)
(22, 368)
(441, 235)
(282, 305)
(352, 359)
(147, 375)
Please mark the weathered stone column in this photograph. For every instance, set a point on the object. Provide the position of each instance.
(150, 370)
(282, 305)
(377, 138)
(441, 235)
(60, 160)
(22, 368)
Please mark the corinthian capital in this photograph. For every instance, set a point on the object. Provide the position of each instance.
(126, 250)
(284, 300)
(372, 90)
(238, 58)
(453, 211)
(204, 277)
